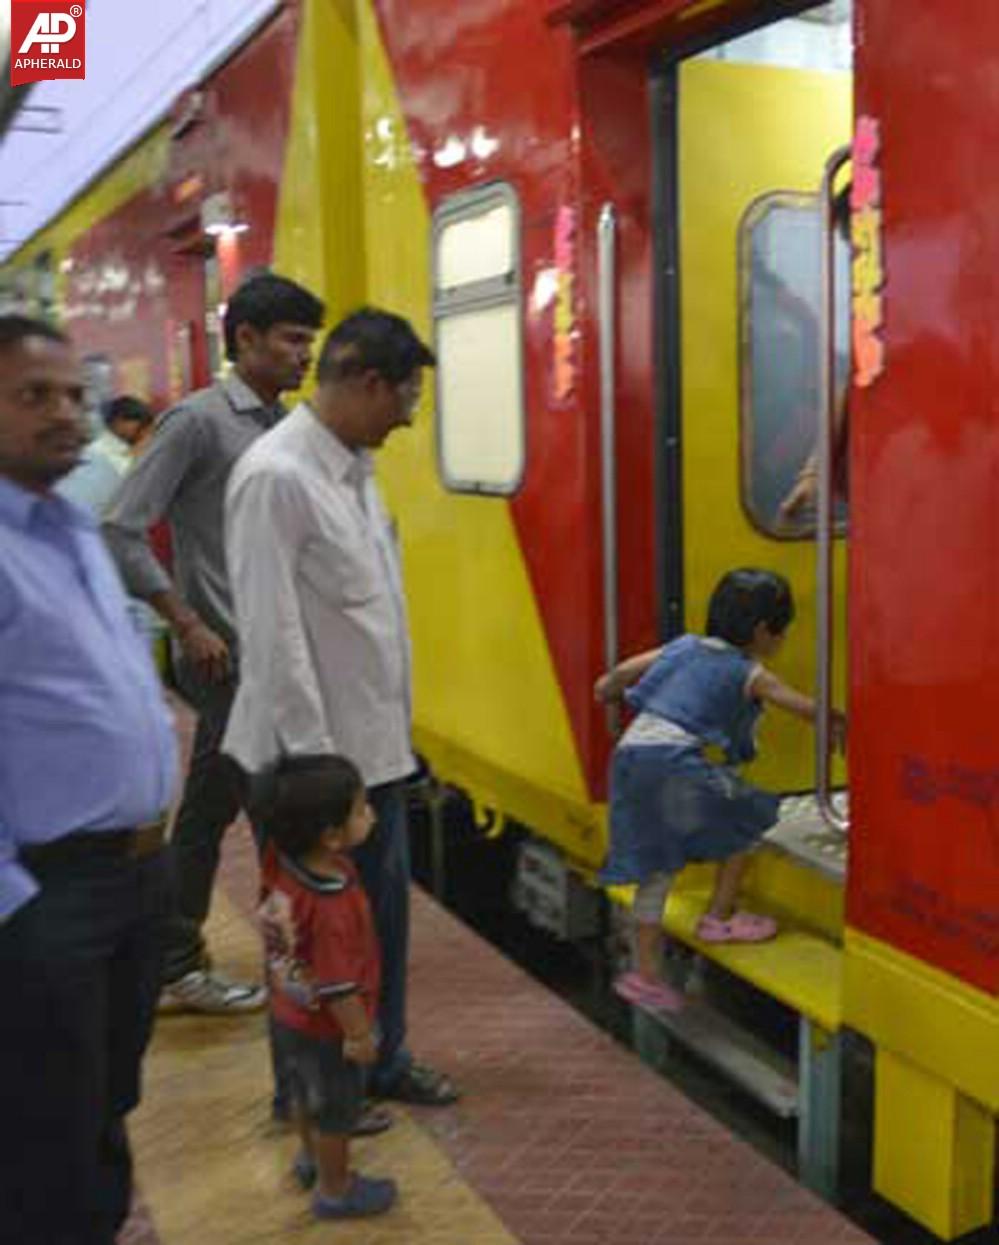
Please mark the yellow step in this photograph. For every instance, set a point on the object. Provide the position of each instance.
(798, 968)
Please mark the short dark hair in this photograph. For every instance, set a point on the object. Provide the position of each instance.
(305, 797)
(15, 329)
(127, 407)
(265, 300)
(743, 599)
(371, 340)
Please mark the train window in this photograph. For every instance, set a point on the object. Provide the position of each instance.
(780, 307)
(475, 248)
(479, 341)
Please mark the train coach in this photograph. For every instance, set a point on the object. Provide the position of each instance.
(615, 219)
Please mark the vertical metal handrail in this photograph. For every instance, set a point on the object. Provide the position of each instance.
(607, 321)
(825, 507)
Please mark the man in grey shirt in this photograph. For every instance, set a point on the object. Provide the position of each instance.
(270, 325)
(318, 594)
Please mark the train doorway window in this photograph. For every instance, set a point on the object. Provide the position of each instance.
(780, 292)
(755, 119)
(478, 332)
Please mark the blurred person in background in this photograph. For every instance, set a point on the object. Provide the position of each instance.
(106, 461)
(109, 457)
(270, 324)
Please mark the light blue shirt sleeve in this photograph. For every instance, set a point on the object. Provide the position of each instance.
(92, 484)
(17, 885)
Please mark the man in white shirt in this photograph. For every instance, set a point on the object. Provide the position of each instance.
(322, 622)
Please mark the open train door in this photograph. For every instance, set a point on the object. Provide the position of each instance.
(738, 125)
(777, 324)
(750, 121)
(923, 896)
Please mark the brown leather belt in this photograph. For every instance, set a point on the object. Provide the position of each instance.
(148, 839)
(133, 844)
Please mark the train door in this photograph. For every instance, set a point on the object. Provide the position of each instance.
(197, 349)
(756, 117)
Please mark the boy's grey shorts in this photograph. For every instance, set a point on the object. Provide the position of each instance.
(328, 1088)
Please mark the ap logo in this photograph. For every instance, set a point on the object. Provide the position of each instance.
(47, 40)
(51, 31)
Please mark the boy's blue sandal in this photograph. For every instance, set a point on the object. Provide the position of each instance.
(365, 1196)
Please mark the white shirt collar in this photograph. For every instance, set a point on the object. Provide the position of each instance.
(343, 463)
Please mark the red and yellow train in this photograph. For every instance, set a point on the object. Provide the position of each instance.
(608, 214)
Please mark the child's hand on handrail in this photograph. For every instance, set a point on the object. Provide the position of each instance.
(837, 730)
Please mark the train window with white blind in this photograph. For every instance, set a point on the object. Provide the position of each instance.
(478, 333)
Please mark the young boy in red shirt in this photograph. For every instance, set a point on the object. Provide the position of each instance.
(323, 971)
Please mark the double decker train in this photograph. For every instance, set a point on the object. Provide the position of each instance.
(613, 218)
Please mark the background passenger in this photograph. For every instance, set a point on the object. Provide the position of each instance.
(109, 457)
(670, 804)
(105, 463)
(270, 324)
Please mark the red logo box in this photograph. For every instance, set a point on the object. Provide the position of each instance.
(48, 40)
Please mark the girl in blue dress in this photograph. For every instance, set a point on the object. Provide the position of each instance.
(669, 804)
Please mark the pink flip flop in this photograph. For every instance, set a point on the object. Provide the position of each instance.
(740, 927)
(653, 996)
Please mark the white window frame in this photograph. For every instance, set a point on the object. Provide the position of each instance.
(502, 290)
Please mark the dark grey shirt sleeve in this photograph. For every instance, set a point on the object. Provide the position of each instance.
(146, 496)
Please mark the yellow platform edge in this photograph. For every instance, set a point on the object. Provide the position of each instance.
(934, 1150)
(936, 1022)
(936, 1084)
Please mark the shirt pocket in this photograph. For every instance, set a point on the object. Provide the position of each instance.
(346, 572)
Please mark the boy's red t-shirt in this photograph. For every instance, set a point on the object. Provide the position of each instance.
(321, 943)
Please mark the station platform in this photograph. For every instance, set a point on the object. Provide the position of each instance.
(562, 1137)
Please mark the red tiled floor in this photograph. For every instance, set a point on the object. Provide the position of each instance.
(568, 1136)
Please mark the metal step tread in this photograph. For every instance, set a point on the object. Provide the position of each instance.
(802, 834)
(743, 1059)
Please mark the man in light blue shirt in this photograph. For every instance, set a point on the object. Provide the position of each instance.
(87, 767)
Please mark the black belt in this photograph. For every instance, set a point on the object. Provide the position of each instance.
(132, 844)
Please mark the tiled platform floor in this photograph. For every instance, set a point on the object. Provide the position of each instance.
(562, 1136)
(214, 1171)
